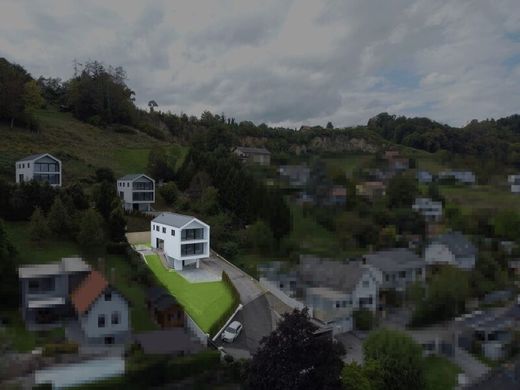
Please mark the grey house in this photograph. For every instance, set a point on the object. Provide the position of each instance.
(137, 192)
(45, 290)
(451, 248)
(396, 268)
(296, 175)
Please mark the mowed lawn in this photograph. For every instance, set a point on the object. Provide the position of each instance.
(481, 197)
(204, 302)
(440, 373)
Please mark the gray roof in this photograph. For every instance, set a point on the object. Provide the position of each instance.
(173, 219)
(132, 176)
(246, 149)
(457, 243)
(66, 265)
(35, 156)
(334, 274)
(393, 260)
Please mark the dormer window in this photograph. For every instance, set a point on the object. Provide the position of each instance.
(108, 296)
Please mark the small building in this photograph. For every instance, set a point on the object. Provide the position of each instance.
(514, 267)
(43, 168)
(514, 182)
(396, 268)
(452, 248)
(371, 189)
(396, 162)
(45, 290)
(464, 177)
(164, 308)
(137, 192)
(260, 156)
(424, 177)
(175, 341)
(296, 175)
(337, 196)
(184, 240)
(429, 209)
(102, 311)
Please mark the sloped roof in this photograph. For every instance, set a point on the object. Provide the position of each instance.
(133, 176)
(88, 291)
(457, 243)
(36, 156)
(173, 219)
(330, 273)
(246, 149)
(160, 298)
(393, 260)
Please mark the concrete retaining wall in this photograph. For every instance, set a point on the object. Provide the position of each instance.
(194, 329)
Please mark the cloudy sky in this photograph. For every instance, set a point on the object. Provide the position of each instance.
(286, 62)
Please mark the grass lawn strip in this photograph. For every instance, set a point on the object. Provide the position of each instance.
(204, 302)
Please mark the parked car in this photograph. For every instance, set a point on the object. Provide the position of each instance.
(231, 332)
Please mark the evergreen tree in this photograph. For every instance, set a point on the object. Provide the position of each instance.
(91, 236)
(59, 218)
(117, 224)
(38, 228)
(8, 269)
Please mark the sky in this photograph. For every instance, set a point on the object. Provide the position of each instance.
(285, 62)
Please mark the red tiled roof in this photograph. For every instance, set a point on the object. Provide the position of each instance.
(88, 291)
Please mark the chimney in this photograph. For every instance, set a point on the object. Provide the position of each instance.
(112, 276)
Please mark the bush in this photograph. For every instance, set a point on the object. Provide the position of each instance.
(60, 348)
(363, 319)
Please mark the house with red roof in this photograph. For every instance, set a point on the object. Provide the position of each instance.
(103, 312)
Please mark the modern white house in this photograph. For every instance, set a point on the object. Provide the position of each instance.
(184, 239)
(429, 209)
(451, 248)
(514, 182)
(43, 168)
(465, 177)
(137, 192)
(103, 313)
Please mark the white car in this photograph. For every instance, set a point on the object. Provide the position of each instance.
(231, 332)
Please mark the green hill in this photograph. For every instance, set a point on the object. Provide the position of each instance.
(81, 147)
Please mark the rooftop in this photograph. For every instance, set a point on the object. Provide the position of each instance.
(246, 149)
(173, 219)
(132, 176)
(393, 260)
(35, 156)
(458, 244)
(66, 265)
(88, 291)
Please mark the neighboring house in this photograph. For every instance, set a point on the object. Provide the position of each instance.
(175, 341)
(429, 209)
(514, 182)
(507, 246)
(260, 156)
(103, 312)
(396, 268)
(164, 308)
(331, 289)
(424, 177)
(137, 192)
(296, 175)
(337, 196)
(184, 239)
(371, 189)
(465, 177)
(514, 267)
(43, 168)
(451, 248)
(395, 161)
(45, 290)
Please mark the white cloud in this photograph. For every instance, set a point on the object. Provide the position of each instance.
(286, 62)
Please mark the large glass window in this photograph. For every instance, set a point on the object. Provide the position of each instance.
(147, 186)
(192, 234)
(142, 196)
(192, 249)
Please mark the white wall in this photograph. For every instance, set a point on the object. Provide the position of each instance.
(438, 253)
(89, 321)
(28, 169)
(364, 292)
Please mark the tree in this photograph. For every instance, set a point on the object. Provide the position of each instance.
(398, 357)
(292, 357)
(401, 191)
(260, 237)
(152, 104)
(161, 166)
(329, 126)
(38, 228)
(507, 224)
(8, 269)
(12, 81)
(32, 97)
(91, 236)
(104, 195)
(105, 174)
(117, 224)
(357, 377)
(208, 202)
(169, 192)
(59, 218)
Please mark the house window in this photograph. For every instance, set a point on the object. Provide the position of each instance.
(419, 271)
(28, 165)
(365, 283)
(281, 285)
(387, 277)
(173, 232)
(402, 274)
(33, 285)
(338, 305)
(164, 230)
(344, 304)
(108, 296)
(101, 321)
(115, 318)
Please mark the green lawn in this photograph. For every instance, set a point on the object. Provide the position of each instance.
(347, 163)
(204, 302)
(482, 196)
(440, 373)
(135, 160)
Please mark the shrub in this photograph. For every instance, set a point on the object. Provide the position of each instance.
(363, 319)
(60, 348)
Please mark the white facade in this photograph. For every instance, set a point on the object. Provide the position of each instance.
(466, 177)
(137, 192)
(108, 317)
(429, 209)
(438, 253)
(40, 167)
(514, 182)
(185, 240)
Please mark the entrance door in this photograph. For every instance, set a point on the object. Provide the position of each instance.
(20, 177)
(159, 243)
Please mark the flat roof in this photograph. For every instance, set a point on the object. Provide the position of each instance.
(43, 303)
(33, 271)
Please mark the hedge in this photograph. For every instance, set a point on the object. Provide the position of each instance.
(225, 315)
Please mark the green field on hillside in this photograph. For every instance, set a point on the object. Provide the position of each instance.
(81, 147)
(204, 302)
(481, 197)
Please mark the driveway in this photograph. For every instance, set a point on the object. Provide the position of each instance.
(248, 288)
(353, 346)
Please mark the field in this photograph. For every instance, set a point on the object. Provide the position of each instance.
(347, 163)
(204, 302)
(81, 147)
(481, 197)
(440, 373)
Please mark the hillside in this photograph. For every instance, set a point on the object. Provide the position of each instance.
(81, 147)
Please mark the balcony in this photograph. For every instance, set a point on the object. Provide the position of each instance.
(192, 249)
(192, 234)
(142, 187)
